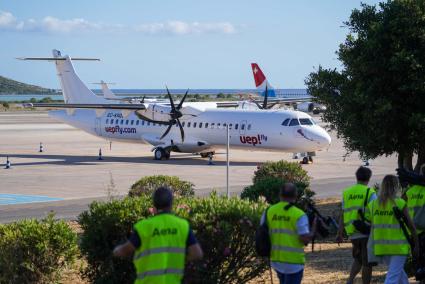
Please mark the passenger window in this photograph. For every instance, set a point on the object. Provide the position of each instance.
(137, 122)
(183, 123)
(212, 125)
(126, 122)
(206, 125)
(143, 122)
(132, 122)
(149, 123)
(230, 126)
(249, 126)
(236, 126)
(200, 124)
(294, 122)
(285, 122)
(188, 124)
(122, 121)
(242, 126)
(107, 120)
(218, 125)
(305, 121)
(154, 124)
(224, 125)
(194, 125)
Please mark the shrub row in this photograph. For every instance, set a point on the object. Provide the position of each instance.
(224, 227)
(34, 251)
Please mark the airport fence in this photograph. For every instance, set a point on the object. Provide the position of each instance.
(225, 228)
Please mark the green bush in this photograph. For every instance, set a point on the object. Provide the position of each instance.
(33, 251)
(225, 228)
(270, 177)
(147, 185)
(5, 105)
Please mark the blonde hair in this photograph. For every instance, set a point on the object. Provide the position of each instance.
(389, 188)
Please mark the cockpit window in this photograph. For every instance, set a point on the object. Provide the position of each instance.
(305, 121)
(285, 122)
(294, 122)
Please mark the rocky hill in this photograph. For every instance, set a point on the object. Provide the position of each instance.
(9, 86)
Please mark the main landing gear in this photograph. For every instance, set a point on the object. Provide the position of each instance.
(307, 158)
(207, 154)
(161, 154)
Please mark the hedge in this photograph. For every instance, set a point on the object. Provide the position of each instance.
(33, 251)
(147, 185)
(225, 228)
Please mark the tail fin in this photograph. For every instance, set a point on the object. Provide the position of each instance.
(107, 93)
(73, 89)
(261, 81)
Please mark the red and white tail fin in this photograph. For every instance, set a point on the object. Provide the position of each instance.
(261, 81)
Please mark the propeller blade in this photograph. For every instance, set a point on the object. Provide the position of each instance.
(182, 100)
(181, 129)
(265, 98)
(143, 100)
(173, 107)
(166, 131)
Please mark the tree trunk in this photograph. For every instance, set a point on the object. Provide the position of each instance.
(421, 158)
(405, 160)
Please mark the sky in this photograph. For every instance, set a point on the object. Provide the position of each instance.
(184, 44)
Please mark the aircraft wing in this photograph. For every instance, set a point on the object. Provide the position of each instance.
(270, 102)
(89, 106)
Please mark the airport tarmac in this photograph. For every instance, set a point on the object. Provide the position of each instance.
(68, 175)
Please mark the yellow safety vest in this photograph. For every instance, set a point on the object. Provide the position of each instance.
(415, 200)
(286, 244)
(161, 256)
(388, 238)
(354, 198)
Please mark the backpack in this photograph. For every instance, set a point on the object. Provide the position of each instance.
(262, 239)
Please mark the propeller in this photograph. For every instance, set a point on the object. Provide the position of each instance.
(142, 101)
(175, 115)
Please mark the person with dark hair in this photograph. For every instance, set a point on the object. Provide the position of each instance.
(161, 245)
(355, 198)
(289, 233)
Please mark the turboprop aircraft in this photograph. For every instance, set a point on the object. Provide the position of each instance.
(182, 127)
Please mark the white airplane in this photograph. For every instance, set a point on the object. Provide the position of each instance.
(109, 95)
(183, 127)
(302, 103)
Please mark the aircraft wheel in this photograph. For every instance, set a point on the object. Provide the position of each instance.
(167, 155)
(159, 154)
(207, 154)
(310, 159)
(305, 160)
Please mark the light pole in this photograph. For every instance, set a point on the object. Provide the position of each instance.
(227, 161)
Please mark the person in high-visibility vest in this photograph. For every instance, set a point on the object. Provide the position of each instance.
(289, 233)
(415, 196)
(353, 199)
(161, 245)
(388, 240)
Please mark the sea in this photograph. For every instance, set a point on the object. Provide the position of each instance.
(156, 92)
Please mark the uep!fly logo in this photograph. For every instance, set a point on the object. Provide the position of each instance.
(253, 140)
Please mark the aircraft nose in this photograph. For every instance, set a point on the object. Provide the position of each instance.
(319, 137)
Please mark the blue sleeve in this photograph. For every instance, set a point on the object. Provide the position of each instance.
(134, 239)
(191, 239)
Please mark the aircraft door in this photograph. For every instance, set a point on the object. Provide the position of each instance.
(242, 127)
(98, 126)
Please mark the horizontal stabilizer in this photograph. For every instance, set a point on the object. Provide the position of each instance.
(57, 58)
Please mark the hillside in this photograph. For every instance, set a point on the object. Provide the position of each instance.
(9, 86)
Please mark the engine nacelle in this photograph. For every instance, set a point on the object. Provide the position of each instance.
(156, 112)
(305, 107)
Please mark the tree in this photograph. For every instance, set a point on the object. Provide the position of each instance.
(376, 102)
